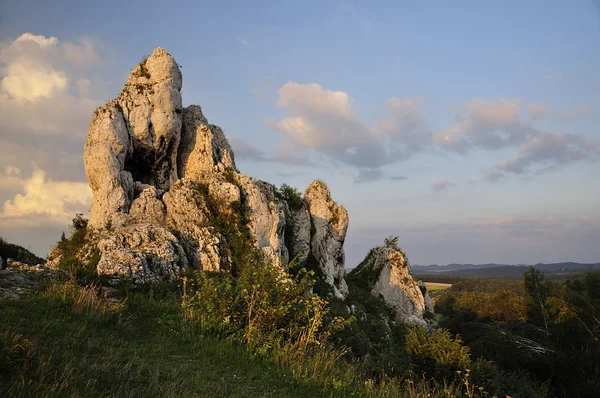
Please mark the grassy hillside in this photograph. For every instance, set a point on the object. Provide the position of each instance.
(72, 341)
(69, 341)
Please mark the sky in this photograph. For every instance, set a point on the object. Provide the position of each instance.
(469, 129)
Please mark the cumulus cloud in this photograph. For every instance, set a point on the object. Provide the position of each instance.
(484, 124)
(550, 149)
(42, 91)
(319, 119)
(45, 202)
(325, 122)
(49, 89)
(48, 92)
(442, 185)
(26, 81)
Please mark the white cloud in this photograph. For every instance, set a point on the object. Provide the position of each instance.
(42, 87)
(26, 81)
(484, 124)
(311, 99)
(550, 149)
(325, 122)
(40, 40)
(45, 202)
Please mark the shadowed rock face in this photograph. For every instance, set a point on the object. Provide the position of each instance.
(154, 167)
(386, 272)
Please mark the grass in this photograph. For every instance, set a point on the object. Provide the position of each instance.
(72, 341)
(67, 341)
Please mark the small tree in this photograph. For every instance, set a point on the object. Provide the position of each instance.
(538, 287)
(391, 242)
(79, 223)
(292, 196)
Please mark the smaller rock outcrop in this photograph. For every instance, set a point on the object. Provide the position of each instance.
(385, 271)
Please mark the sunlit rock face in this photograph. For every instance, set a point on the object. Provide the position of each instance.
(329, 225)
(386, 272)
(160, 174)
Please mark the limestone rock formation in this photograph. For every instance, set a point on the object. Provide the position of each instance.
(143, 252)
(267, 218)
(298, 230)
(203, 147)
(386, 273)
(161, 174)
(330, 223)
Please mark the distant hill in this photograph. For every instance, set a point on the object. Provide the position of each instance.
(503, 270)
(19, 253)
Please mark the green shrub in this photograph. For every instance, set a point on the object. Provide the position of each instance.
(436, 353)
(70, 249)
(291, 195)
(144, 72)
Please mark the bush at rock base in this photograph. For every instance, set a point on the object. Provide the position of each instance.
(80, 264)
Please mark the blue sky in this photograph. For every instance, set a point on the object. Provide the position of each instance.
(470, 129)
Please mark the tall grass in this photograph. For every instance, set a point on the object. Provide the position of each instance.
(72, 341)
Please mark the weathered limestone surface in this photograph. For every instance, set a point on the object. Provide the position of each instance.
(330, 223)
(386, 271)
(143, 252)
